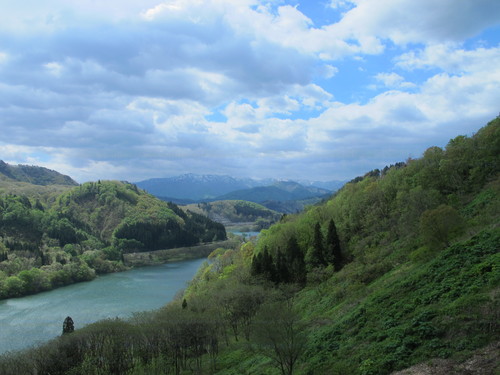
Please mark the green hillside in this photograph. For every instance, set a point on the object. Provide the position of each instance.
(399, 268)
(283, 196)
(20, 180)
(34, 175)
(86, 230)
(237, 214)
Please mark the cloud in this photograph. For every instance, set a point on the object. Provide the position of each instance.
(449, 58)
(119, 89)
(393, 80)
(424, 21)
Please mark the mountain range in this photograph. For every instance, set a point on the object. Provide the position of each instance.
(189, 188)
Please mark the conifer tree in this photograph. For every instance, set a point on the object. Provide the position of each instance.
(268, 269)
(256, 268)
(68, 325)
(333, 251)
(315, 257)
(282, 272)
(295, 261)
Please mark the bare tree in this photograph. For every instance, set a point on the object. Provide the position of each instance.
(278, 333)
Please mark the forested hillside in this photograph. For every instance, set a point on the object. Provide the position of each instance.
(85, 231)
(237, 214)
(282, 196)
(34, 175)
(401, 266)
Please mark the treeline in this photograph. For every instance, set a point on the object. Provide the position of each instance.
(291, 265)
(85, 232)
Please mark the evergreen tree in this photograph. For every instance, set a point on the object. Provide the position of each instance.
(282, 272)
(295, 261)
(68, 325)
(263, 264)
(333, 252)
(256, 267)
(268, 269)
(315, 257)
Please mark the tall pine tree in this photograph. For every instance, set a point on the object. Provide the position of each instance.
(333, 252)
(282, 272)
(295, 261)
(315, 257)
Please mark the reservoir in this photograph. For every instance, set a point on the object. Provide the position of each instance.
(31, 320)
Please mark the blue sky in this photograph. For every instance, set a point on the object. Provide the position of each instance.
(318, 90)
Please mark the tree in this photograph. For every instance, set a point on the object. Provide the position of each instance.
(295, 261)
(3, 252)
(440, 225)
(68, 325)
(282, 272)
(315, 257)
(333, 251)
(263, 264)
(279, 335)
(268, 268)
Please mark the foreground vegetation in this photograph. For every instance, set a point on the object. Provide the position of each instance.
(400, 266)
(85, 231)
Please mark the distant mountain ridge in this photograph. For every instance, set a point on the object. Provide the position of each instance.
(196, 187)
(35, 175)
(280, 191)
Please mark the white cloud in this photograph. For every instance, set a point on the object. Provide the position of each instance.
(328, 71)
(99, 90)
(449, 58)
(340, 3)
(423, 21)
(389, 79)
(393, 80)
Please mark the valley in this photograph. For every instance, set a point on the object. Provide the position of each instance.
(395, 272)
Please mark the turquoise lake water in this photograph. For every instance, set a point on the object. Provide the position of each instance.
(31, 320)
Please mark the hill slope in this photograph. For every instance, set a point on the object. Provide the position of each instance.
(86, 231)
(282, 196)
(237, 213)
(280, 191)
(34, 175)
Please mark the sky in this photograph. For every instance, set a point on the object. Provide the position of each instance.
(318, 90)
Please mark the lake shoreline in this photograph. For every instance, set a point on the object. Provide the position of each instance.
(32, 320)
(148, 258)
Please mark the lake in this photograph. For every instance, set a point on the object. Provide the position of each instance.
(31, 320)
